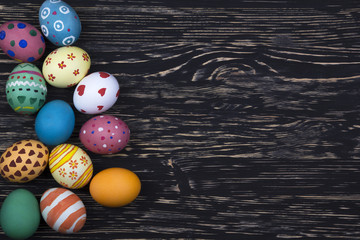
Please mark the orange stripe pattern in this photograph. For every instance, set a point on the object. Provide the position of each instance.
(63, 210)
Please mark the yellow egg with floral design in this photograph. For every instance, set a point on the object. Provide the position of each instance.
(70, 166)
(66, 66)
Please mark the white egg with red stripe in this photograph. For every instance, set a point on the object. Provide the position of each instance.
(63, 210)
(96, 93)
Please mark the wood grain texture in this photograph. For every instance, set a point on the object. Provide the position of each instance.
(244, 117)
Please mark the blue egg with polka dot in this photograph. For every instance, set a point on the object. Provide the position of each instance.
(59, 23)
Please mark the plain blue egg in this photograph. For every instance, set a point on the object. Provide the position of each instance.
(55, 122)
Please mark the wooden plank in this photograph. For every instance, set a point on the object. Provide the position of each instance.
(244, 117)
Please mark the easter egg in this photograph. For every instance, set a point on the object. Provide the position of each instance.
(20, 215)
(66, 66)
(62, 210)
(59, 22)
(21, 41)
(96, 93)
(55, 122)
(23, 161)
(115, 187)
(104, 134)
(26, 89)
(70, 166)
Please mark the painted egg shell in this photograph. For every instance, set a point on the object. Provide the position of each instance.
(96, 93)
(62, 210)
(55, 122)
(70, 166)
(66, 66)
(104, 134)
(21, 41)
(59, 22)
(20, 214)
(115, 187)
(24, 161)
(26, 89)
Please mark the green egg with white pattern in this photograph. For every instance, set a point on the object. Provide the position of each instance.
(26, 89)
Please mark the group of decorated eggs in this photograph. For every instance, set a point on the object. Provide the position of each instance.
(71, 167)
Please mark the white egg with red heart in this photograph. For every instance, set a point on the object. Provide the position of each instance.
(96, 93)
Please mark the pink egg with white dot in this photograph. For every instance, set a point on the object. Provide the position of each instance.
(104, 134)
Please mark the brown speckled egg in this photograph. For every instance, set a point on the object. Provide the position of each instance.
(24, 161)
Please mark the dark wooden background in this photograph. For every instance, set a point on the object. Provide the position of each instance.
(245, 117)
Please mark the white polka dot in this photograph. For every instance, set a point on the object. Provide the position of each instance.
(68, 40)
(101, 116)
(84, 131)
(119, 140)
(113, 134)
(100, 129)
(58, 26)
(64, 10)
(45, 30)
(45, 13)
(104, 146)
(116, 127)
(116, 119)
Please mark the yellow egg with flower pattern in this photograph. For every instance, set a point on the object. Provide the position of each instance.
(66, 66)
(70, 166)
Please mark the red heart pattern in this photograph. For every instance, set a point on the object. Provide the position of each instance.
(102, 91)
(81, 90)
(104, 75)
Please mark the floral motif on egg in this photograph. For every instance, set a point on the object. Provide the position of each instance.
(70, 166)
(85, 57)
(76, 72)
(48, 60)
(62, 65)
(71, 56)
(73, 164)
(66, 66)
(84, 161)
(51, 77)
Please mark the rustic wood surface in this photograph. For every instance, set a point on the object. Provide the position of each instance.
(245, 117)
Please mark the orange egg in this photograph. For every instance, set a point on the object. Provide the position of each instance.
(115, 187)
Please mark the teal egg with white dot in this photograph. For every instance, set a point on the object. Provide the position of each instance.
(26, 89)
